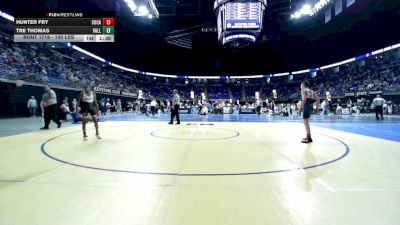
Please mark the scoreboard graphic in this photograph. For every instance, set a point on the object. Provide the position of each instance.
(64, 27)
(243, 15)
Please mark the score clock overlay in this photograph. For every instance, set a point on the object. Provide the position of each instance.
(64, 27)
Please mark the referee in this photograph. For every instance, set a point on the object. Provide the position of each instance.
(176, 101)
(378, 102)
(49, 102)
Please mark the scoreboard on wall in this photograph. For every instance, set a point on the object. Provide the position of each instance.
(64, 27)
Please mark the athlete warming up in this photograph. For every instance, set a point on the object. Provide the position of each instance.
(87, 103)
(308, 97)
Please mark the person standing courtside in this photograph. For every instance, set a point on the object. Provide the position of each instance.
(378, 102)
(258, 106)
(176, 101)
(49, 102)
(74, 105)
(153, 106)
(32, 106)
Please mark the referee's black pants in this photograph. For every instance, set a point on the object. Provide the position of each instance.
(50, 113)
(379, 110)
(153, 110)
(175, 112)
(258, 110)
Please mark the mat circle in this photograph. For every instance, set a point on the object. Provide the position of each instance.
(159, 134)
(43, 150)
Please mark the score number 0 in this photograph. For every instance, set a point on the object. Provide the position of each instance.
(108, 21)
